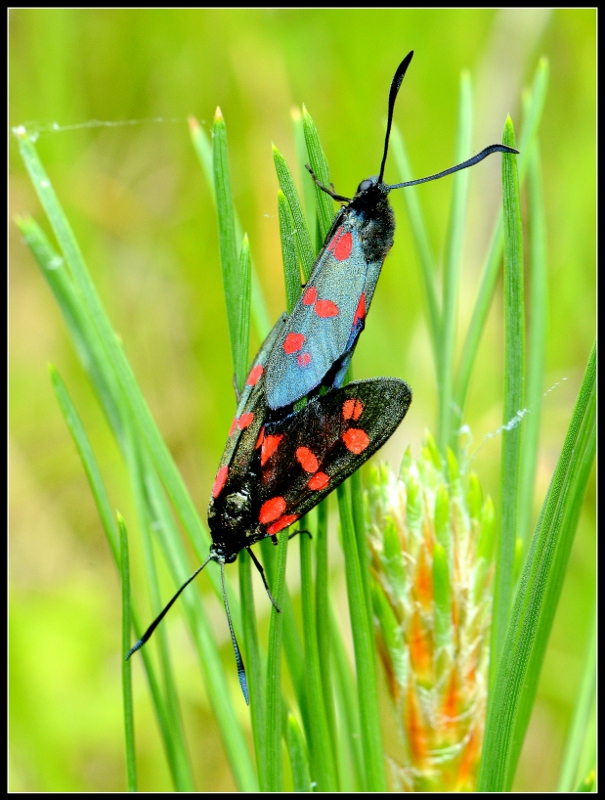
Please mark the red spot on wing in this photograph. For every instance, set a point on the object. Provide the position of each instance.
(310, 295)
(319, 481)
(343, 247)
(293, 342)
(335, 240)
(281, 523)
(326, 308)
(361, 309)
(271, 510)
(233, 427)
(304, 359)
(352, 409)
(307, 459)
(356, 440)
(254, 375)
(245, 420)
(269, 447)
(261, 436)
(219, 481)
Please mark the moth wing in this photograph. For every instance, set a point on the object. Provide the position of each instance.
(319, 328)
(319, 446)
(247, 423)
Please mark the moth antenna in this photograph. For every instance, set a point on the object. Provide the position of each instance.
(395, 84)
(493, 148)
(145, 637)
(241, 670)
(259, 567)
(325, 189)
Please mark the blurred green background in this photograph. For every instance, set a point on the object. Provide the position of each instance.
(142, 212)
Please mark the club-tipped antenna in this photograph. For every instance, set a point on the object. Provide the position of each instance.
(145, 637)
(241, 670)
(395, 84)
(493, 148)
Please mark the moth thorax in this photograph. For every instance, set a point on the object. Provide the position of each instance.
(236, 509)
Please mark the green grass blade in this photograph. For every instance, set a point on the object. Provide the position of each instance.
(254, 668)
(451, 271)
(243, 315)
(305, 249)
(514, 374)
(490, 273)
(83, 333)
(203, 149)
(273, 721)
(323, 768)
(287, 235)
(297, 752)
(349, 740)
(540, 587)
(322, 629)
(115, 360)
(538, 297)
(305, 179)
(581, 725)
(136, 464)
(215, 677)
(113, 353)
(359, 524)
(365, 658)
(319, 165)
(103, 505)
(226, 227)
(131, 766)
(421, 238)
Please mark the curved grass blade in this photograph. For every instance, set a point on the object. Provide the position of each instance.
(302, 238)
(323, 769)
(203, 149)
(538, 292)
(528, 137)
(365, 657)
(540, 587)
(319, 164)
(177, 760)
(514, 376)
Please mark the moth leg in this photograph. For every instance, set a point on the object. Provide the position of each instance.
(259, 567)
(301, 530)
(323, 188)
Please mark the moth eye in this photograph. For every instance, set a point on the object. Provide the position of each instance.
(365, 185)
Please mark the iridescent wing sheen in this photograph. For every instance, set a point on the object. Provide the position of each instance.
(328, 317)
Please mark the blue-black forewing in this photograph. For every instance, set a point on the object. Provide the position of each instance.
(312, 451)
(319, 330)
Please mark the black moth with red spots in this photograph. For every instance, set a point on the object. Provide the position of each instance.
(317, 342)
(296, 461)
(273, 471)
(279, 463)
